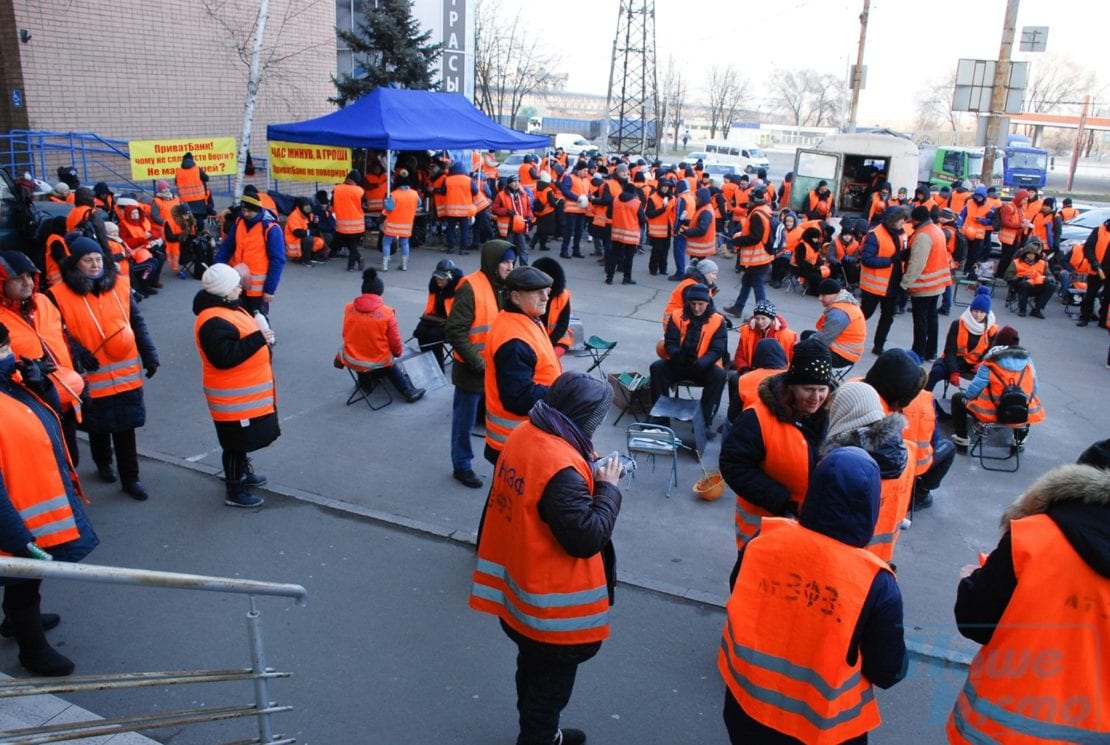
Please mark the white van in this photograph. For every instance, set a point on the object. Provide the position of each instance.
(574, 144)
(748, 158)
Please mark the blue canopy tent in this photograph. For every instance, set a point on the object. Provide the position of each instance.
(397, 119)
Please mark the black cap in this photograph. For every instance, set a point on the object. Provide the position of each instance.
(920, 213)
(371, 283)
(525, 278)
(354, 175)
(828, 286)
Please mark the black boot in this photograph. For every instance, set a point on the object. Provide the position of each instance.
(25, 622)
(238, 496)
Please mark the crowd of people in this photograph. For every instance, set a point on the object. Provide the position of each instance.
(825, 468)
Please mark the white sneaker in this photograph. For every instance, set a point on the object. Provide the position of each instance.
(385, 264)
(404, 263)
(961, 441)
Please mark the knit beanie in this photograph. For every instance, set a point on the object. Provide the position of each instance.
(854, 405)
(695, 293)
(371, 283)
(1007, 336)
(829, 286)
(1097, 455)
(220, 280)
(896, 377)
(706, 266)
(765, 308)
(82, 246)
(982, 300)
(811, 364)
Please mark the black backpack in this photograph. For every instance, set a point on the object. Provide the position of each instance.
(1013, 406)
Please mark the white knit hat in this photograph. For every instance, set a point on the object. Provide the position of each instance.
(854, 405)
(220, 280)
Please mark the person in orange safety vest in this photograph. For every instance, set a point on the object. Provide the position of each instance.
(238, 380)
(192, 188)
(303, 241)
(256, 241)
(811, 604)
(1030, 277)
(350, 219)
(1037, 605)
(841, 326)
(399, 216)
(926, 276)
(41, 511)
(551, 581)
(111, 346)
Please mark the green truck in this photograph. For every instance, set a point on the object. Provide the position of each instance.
(946, 165)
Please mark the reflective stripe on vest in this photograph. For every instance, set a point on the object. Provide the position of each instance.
(984, 407)
(189, 186)
(399, 220)
(875, 280)
(347, 205)
(786, 460)
(796, 602)
(936, 274)
(485, 310)
(975, 354)
(894, 502)
(757, 255)
(626, 226)
(102, 324)
(523, 575)
(1042, 675)
(245, 391)
(458, 202)
(971, 228)
(510, 326)
(849, 344)
(703, 245)
(250, 249)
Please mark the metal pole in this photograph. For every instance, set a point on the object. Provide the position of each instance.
(258, 665)
(998, 92)
(1078, 141)
(609, 94)
(857, 78)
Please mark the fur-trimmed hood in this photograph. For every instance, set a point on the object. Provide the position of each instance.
(1077, 498)
(772, 392)
(882, 440)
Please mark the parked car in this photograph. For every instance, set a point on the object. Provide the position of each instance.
(695, 156)
(718, 171)
(10, 212)
(1078, 228)
(511, 165)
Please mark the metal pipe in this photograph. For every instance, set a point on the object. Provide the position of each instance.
(258, 663)
(35, 569)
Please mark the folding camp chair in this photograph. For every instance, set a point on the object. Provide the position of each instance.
(599, 349)
(653, 440)
(361, 393)
(989, 438)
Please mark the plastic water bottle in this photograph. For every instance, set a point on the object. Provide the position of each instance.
(264, 325)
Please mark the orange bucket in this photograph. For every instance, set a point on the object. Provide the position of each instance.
(710, 487)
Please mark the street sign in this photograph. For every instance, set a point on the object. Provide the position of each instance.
(862, 76)
(975, 82)
(1033, 38)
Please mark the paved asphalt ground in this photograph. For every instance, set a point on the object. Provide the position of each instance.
(368, 518)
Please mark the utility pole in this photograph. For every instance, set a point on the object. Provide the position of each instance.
(998, 92)
(857, 78)
(1078, 141)
(632, 80)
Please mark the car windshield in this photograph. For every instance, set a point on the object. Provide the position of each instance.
(1027, 161)
(755, 152)
(1091, 218)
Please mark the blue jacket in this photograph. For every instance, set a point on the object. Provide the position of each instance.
(275, 249)
(1011, 359)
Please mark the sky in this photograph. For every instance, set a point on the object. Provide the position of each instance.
(908, 44)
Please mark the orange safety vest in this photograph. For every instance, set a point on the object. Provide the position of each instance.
(1101, 244)
(31, 478)
(971, 228)
(748, 384)
(102, 324)
(296, 221)
(708, 329)
(1039, 228)
(458, 202)
(134, 234)
(518, 203)
(347, 206)
(984, 407)
(1009, 235)
(674, 302)
(430, 305)
(876, 280)
(1032, 208)
(555, 305)
(1067, 213)
(250, 249)
(878, 206)
(894, 503)
(936, 275)
(958, 201)
(974, 355)
(704, 245)
(173, 248)
(785, 459)
(524, 171)
(849, 344)
(821, 205)
(375, 189)
(749, 338)
(578, 187)
(1042, 676)
(509, 326)
(480, 198)
(921, 421)
(660, 225)
(245, 391)
(689, 206)
(523, 575)
(1033, 273)
(542, 198)
(399, 220)
(485, 310)
(757, 255)
(53, 271)
(784, 193)
(189, 186)
(790, 620)
(365, 346)
(626, 222)
(740, 199)
(76, 216)
(45, 339)
(1077, 259)
(489, 166)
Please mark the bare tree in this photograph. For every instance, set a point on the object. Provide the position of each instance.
(267, 58)
(788, 93)
(934, 104)
(806, 97)
(726, 90)
(674, 98)
(824, 95)
(510, 63)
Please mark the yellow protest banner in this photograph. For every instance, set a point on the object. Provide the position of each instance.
(290, 161)
(155, 159)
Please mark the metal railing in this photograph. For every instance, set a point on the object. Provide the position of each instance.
(259, 673)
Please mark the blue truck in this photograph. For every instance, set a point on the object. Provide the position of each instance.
(1025, 165)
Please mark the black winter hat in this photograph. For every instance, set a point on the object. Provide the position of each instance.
(811, 364)
(829, 286)
(371, 283)
(896, 376)
(1097, 455)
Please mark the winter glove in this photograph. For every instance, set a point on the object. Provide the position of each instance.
(150, 370)
(88, 361)
(954, 379)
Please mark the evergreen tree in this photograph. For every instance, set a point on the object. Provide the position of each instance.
(388, 43)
